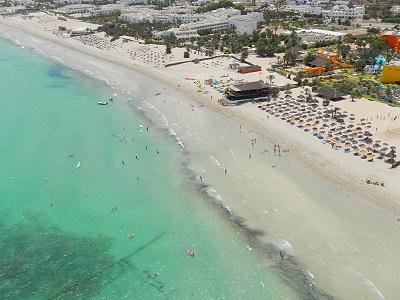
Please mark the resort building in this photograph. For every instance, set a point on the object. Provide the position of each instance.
(218, 20)
(179, 34)
(133, 2)
(338, 11)
(157, 17)
(318, 35)
(106, 10)
(71, 2)
(77, 8)
(173, 14)
(206, 25)
(257, 90)
(344, 12)
(246, 24)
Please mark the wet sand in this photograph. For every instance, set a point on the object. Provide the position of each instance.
(344, 233)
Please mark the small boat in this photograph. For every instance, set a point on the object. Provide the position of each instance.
(102, 103)
(78, 165)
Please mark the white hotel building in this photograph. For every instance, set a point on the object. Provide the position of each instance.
(337, 11)
(318, 35)
(218, 20)
(345, 12)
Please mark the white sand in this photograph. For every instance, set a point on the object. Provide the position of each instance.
(344, 231)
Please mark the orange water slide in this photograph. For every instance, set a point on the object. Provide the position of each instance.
(393, 40)
(315, 70)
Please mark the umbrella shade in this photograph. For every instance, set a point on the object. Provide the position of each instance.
(390, 161)
(368, 140)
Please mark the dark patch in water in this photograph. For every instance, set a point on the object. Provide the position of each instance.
(46, 262)
(290, 269)
(57, 71)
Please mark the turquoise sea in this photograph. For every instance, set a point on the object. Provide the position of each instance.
(64, 229)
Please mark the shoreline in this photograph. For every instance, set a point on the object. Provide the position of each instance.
(290, 268)
(299, 148)
(276, 131)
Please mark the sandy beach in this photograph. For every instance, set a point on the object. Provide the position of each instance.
(344, 232)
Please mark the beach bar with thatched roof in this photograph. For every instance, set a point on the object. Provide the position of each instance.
(256, 90)
(330, 94)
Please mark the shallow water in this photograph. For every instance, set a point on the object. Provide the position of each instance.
(343, 243)
(72, 189)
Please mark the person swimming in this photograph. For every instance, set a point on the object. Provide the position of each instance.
(282, 254)
(190, 253)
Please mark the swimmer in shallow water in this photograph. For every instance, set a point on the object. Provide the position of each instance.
(282, 254)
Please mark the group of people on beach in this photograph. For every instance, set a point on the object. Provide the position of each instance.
(369, 181)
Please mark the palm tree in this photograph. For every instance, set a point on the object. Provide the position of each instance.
(343, 50)
(168, 48)
(359, 65)
(271, 78)
(299, 78)
(355, 94)
(244, 54)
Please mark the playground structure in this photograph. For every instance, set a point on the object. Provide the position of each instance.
(332, 58)
(393, 40)
(314, 70)
(390, 74)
